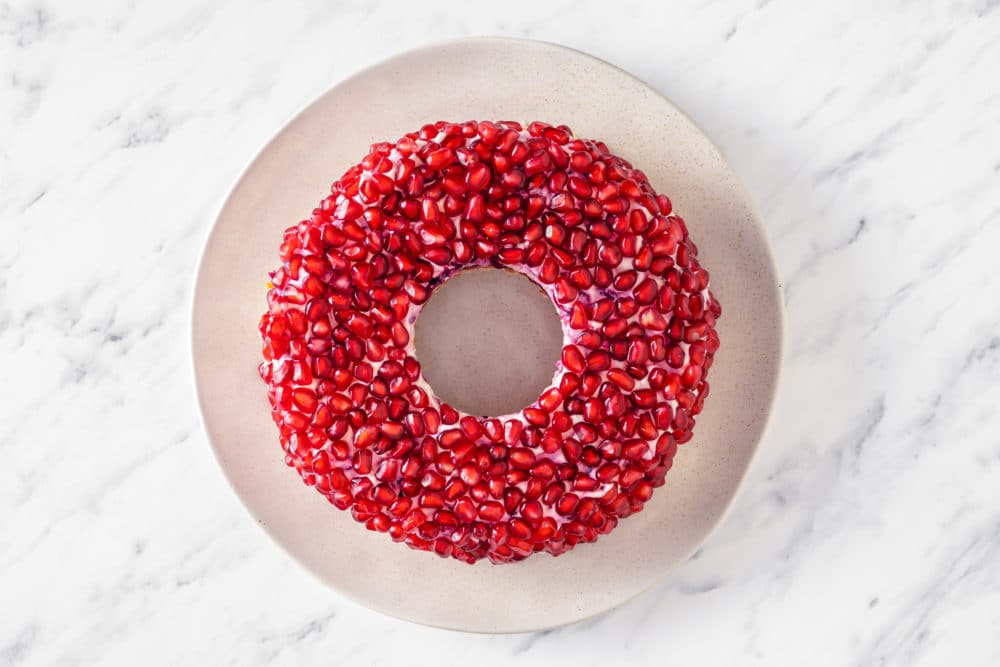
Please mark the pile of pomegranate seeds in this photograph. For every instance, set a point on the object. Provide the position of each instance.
(355, 416)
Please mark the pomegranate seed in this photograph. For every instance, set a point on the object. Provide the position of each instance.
(491, 511)
(567, 503)
(469, 474)
(440, 158)
(622, 379)
(521, 457)
(535, 417)
(599, 360)
(304, 399)
(550, 399)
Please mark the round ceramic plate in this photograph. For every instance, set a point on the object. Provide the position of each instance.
(487, 79)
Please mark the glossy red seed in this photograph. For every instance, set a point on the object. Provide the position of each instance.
(512, 431)
(565, 291)
(589, 383)
(638, 351)
(622, 379)
(393, 430)
(635, 449)
(448, 414)
(521, 457)
(536, 417)
(614, 328)
(644, 398)
(362, 462)
(471, 427)
(469, 474)
(578, 317)
(440, 158)
(593, 410)
(652, 320)
(365, 436)
(550, 399)
(645, 292)
(643, 491)
(691, 376)
(491, 511)
(567, 503)
(304, 399)
(598, 360)
(548, 271)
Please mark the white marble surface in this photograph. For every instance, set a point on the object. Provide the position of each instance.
(869, 529)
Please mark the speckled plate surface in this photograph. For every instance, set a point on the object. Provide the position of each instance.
(488, 79)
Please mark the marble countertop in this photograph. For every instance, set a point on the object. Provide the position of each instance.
(868, 532)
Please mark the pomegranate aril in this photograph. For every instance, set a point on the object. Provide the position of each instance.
(622, 379)
(521, 457)
(491, 511)
(550, 399)
(691, 376)
(598, 360)
(535, 417)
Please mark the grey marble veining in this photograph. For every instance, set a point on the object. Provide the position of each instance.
(868, 532)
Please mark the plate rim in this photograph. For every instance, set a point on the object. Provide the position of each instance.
(757, 218)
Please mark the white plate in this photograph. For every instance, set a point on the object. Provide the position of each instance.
(487, 79)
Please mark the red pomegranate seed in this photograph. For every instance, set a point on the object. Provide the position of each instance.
(535, 417)
(567, 503)
(550, 399)
(440, 158)
(578, 317)
(622, 379)
(691, 376)
(305, 399)
(521, 457)
(599, 360)
(491, 511)
(652, 319)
